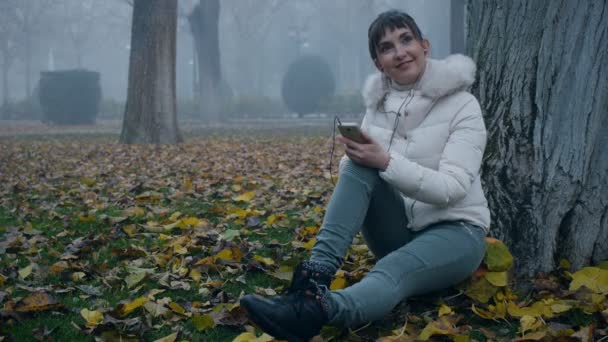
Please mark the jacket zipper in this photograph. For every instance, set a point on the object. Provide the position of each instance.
(412, 211)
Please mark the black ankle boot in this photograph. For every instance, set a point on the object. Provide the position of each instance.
(300, 314)
(310, 274)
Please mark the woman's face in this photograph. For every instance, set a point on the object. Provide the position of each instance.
(401, 56)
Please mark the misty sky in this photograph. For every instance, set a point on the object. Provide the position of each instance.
(258, 39)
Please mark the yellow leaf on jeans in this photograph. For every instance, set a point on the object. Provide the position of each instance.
(337, 284)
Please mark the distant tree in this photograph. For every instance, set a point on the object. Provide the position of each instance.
(250, 21)
(204, 21)
(79, 18)
(27, 17)
(543, 85)
(8, 36)
(151, 113)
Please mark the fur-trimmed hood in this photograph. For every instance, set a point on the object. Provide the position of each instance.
(440, 78)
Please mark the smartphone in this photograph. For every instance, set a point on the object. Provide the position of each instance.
(351, 131)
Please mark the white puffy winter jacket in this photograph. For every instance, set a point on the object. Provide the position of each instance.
(438, 145)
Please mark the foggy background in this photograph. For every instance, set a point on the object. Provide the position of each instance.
(258, 40)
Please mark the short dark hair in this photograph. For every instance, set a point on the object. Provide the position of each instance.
(392, 19)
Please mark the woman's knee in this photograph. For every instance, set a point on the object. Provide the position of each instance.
(362, 173)
(355, 169)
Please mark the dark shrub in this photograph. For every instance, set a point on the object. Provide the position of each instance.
(307, 82)
(70, 96)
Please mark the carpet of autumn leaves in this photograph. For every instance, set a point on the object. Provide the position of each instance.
(106, 242)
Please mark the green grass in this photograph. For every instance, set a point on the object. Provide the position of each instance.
(60, 324)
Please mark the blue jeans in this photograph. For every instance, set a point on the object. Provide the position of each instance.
(409, 262)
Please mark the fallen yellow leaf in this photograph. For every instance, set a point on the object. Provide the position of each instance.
(195, 274)
(25, 272)
(178, 309)
(497, 258)
(169, 338)
(92, 318)
(310, 244)
(527, 323)
(593, 278)
(246, 197)
(445, 310)
(78, 276)
(204, 322)
(250, 337)
(497, 278)
(263, 260)
(125, 309)
(480, 290)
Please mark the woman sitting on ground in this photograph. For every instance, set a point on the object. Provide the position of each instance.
(412, 188)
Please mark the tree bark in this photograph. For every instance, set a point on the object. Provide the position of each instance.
(204, 21)
(543, 84)
(151, 110)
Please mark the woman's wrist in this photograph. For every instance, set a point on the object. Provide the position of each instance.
(386, 161)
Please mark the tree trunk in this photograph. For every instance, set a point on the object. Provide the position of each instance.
(543, 84)
(204, 21)
(151, 113)
(28, 66)
(5, 91)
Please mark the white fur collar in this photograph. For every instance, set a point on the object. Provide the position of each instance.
(441, 77)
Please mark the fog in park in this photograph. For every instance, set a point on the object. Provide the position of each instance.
(258, 41)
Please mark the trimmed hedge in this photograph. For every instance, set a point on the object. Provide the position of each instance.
(70, 97)
(306, 84)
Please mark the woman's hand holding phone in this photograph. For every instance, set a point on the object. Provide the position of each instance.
(368, 153)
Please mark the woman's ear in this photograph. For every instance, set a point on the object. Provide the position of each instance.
(378, 66)
(426, 46)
